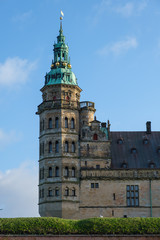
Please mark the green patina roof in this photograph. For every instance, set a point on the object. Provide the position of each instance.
(61, 72)
(60, 75)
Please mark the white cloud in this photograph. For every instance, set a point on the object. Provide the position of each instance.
(19, 191)
(119, 47)
(15, 71)
(22, 17)
(142, 5)
(131, 8)
(7, 138)
(126, 10)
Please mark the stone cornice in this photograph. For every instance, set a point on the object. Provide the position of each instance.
(105, 174)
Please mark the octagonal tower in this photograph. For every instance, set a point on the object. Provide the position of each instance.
(59, 162)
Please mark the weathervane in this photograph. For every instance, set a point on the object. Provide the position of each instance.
(62, 15)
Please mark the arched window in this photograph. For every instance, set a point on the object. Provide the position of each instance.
(50, 123)
(49, 192)
(42, 148)
(57, 146)
(56, 122)
(50, 172)
(66, 146)
(66, 191)
(40, 174)
(66, 122)
(50, 147)
(73, 147)
(73, 172)
(72, 123)
(43, 125)
(57, 172)
(57, 191)
(73, 192)
(66, 172)
(95, 137)
(43, 173)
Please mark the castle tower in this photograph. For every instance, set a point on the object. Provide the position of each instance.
(59, 162)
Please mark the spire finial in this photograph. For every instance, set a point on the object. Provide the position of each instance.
(61, 18)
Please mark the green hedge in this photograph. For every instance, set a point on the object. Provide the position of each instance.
(56, 226)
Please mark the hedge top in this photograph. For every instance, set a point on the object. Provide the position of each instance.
(58, 226)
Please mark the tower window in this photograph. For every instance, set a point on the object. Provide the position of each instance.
(42, 193)
(73, 147)
(114, 196)
(57, 172)
(132, 195)
(73, 192)
(95, 137)
(73, 172)
(42, 173)
(40, 150)
(57, 192)
(50, 147)
(66, 146)
(57, 146)
(66, 122)
(50, 123)
(50, 172)
(43, 125)
(67, 191)
(66, 172)
(88, 148)
(72, 123)
(43, 148)
(56, 122)
(49, 192)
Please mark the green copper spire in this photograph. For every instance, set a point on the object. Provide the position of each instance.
(61, 72)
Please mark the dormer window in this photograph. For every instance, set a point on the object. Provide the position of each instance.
(145, 141)
(133, 150)
(124, 165)
(120, 141)
(152, 165)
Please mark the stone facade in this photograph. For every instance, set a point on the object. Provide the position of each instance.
(80, 175)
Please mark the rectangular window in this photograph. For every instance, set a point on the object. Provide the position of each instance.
(97, 166)
(132, 195)
(94, 185)
(114, 196)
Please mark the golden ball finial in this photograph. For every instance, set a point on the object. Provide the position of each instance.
(61, 18)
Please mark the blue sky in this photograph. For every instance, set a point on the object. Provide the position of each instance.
(114, 47)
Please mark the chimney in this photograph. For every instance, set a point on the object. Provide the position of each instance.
(103, 124)
(148, 127)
